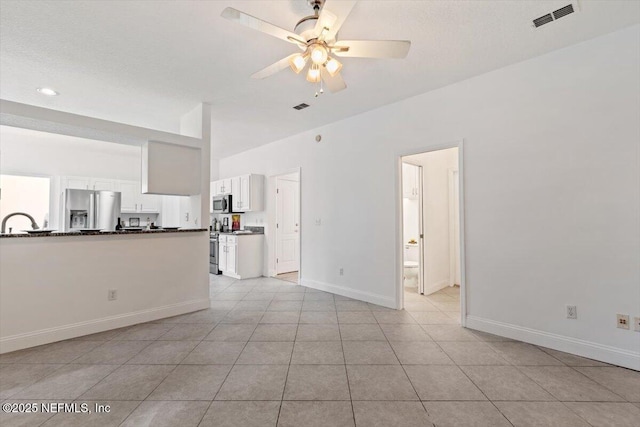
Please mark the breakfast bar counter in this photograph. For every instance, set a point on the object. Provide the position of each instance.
(102, 233)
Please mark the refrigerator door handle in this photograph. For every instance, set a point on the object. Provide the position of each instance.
(93, 209)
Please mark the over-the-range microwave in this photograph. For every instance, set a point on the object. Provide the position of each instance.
(222, 204)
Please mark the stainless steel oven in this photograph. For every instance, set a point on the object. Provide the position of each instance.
(214, 253)
(222, 204)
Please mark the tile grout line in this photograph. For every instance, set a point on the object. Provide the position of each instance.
(346, 371)
(286, 378)
(463, 372)
(154, 389)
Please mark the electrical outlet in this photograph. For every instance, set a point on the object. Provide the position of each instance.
(636, 324)
(186, 216)
(112, 295)
(623, 321)
(572, 312)
(318, 221)
(341, 271)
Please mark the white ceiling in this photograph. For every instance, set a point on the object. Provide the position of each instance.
(148, 62)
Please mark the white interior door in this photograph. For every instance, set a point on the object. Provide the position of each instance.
(287, 226)
(454, 228)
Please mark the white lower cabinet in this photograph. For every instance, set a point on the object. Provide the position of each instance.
(241, 256)
(228, 258)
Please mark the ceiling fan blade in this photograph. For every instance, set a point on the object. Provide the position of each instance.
(325, 21)
(341, 9)
(273, 68)
(372, 48)
(260, 25)
(335, 83)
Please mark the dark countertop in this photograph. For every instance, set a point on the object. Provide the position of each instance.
(101, 233)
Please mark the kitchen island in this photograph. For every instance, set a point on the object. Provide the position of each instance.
(102, 233)
(60, 285)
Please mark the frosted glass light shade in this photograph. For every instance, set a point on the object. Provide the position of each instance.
(319, 54)
(313, 75)
(333, 66)
(297, 63)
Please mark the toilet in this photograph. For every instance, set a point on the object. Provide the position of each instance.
(411, 265)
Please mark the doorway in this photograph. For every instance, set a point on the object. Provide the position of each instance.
(287, 222)
(432, 243)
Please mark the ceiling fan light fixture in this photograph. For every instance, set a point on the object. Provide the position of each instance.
(319, 54)
(313, 75)
(333, 66)
(298, 62)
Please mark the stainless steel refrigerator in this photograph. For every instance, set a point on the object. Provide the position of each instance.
(88, 209)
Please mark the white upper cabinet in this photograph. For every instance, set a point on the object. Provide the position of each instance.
(150, 203)
(132, 200)
(129, 191)
(104, 185)
(75, 183)
(221, 187)
(248, 193)
(410, 181)
(81, 183)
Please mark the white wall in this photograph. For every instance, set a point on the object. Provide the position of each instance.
(551, 194)
(435, 188)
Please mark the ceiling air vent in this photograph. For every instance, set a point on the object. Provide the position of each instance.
(563, 11)
(542, 20)
(301, 106)
(556, 14)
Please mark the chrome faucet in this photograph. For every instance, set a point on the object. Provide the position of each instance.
(34, 225)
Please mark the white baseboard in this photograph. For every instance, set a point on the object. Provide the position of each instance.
(351, 293)
(591, 350)
(59, 333)
(435, 288)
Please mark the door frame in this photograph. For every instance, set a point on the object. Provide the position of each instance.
(272, 265)
(452, 230)
(459, 144)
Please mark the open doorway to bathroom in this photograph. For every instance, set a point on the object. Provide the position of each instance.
(287, 222)
(431, 235)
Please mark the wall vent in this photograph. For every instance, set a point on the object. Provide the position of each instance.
(301, 106)
(555, 15)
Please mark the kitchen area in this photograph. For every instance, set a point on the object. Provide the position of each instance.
(104, 224)
(69, 184)
(236, 249)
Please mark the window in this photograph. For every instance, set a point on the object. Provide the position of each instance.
(28, 194)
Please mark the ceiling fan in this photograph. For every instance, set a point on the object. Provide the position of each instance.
(316, 35)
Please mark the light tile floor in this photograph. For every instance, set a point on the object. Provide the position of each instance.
(271, 353)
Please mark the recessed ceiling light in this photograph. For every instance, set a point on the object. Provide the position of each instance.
(47, 91)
